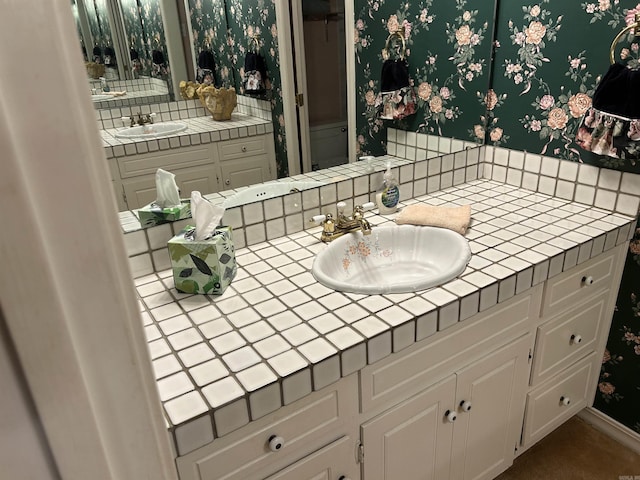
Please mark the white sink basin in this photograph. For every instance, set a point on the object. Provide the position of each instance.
(265, 191)
(396, 259)
(152, 130)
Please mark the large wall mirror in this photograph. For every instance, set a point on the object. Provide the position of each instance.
(330, 50)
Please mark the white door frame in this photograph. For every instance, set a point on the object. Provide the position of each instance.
(297, 24)
(67, 295)
(285, 47)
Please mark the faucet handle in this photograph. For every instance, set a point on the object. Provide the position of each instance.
(340, 206)
(368, 206)
(318, 219)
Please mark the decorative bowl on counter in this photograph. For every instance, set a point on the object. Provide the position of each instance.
(219, 101)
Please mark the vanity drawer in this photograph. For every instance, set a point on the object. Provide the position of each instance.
(558, 399)
(243, 147)
(580, 283)
(569, 336)
(305, 426)
(148, 163)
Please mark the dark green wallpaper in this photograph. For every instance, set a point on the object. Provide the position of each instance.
(245, 20)
(98, 24)
(448, 46)
(209, 26)
(145, 33)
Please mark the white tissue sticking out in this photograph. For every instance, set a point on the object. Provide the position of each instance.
(205, 214)
(167, 193)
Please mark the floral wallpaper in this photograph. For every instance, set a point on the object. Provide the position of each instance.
(549, 59)
(546, 71)
(145, 33)
(143, 29)
(98, 24)
(249, 24)
(447, 48)
(209, 26)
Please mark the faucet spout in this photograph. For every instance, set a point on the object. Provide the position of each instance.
(334, 228)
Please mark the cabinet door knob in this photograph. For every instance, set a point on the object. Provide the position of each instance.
(587, 280)
(276, 443)
(450, 416)
(227, 182)
(342, 477)
(244, 149)
(576, 339)
(565, 401)
(465, 405)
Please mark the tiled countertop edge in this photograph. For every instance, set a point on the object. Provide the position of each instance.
(262, 388)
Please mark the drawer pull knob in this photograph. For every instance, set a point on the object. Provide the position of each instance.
(227, 182)
(342, 477)
(565, 401)
(576, 339)
(244, 149)
(450, 416)
(465, 405)
(276, 443)
(587, 280)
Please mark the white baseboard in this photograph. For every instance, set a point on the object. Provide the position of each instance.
(612, 428)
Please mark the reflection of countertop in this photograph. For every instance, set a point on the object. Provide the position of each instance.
(132, 97)
(199, 130)
(276, 322)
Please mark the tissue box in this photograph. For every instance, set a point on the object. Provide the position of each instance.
(206, 266)
(151, 214)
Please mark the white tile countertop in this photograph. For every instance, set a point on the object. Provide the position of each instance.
(276, 334)
(199, 130)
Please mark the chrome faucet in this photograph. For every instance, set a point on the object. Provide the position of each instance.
(334, 228)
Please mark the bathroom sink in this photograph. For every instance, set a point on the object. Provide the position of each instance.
(396, 259)
(265, 191)
(152, 130)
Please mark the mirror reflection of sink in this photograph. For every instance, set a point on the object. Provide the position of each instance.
(98, 97)
(152, 130)
(396, 259)
(265, 191)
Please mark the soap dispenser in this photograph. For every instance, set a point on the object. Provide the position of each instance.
(103, 85)
(388, 195)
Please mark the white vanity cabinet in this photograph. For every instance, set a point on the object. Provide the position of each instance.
(467, 425)
(458, 405)
(570, 340)
(246, 161)
(208, 168)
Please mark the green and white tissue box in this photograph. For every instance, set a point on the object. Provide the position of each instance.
(152, 214)
(205, 267)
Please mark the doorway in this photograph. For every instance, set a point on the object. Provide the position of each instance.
(320, 76)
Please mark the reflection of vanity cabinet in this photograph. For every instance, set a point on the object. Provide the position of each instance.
(460, 404)
(208, 168)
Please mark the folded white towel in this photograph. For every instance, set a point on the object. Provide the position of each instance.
(453, 218)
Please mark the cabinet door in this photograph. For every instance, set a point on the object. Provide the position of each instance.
(485, 436)
(413, 440)
(336, 461)
(139, 192)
